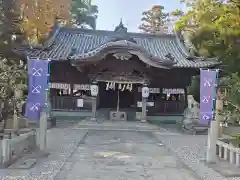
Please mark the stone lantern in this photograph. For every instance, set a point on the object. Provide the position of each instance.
(222, 90)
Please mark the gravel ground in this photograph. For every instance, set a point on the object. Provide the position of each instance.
(192, 150)
(61, 144)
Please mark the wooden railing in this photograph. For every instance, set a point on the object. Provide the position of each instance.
(167, 107)
(70, 103)
(228, 152)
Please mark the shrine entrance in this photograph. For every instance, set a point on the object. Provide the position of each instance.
(109, 98)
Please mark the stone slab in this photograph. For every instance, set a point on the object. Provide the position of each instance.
(24, 164)
(226, 169)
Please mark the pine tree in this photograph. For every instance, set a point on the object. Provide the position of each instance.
(154, 20)
(83, 12)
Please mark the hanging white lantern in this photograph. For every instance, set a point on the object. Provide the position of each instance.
(94, 90)
(145, 92)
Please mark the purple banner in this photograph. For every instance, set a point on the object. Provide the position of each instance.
(38, 74)
(208, 82)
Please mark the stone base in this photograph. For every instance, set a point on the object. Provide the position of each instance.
(118, 116)
(93, 119)
(23, 123)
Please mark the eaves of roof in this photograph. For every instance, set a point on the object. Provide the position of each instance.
(64, 41)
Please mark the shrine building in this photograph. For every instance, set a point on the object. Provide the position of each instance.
(120, 64)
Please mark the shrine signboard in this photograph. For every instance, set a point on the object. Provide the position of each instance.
(208, 80)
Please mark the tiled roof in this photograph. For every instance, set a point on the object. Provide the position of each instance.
(83, 41)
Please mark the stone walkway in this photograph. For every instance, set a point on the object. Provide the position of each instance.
(108, 155)
(119, 150)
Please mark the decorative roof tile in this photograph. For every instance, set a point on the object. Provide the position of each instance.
(69, 41)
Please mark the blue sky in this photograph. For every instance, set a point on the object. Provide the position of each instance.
(111, 11)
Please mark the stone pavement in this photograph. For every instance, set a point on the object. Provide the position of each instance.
(61, 144)
(118, 125)
(122, 155)
(192, 151)
(131, 151)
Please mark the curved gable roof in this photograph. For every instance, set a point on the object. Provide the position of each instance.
(66, 43)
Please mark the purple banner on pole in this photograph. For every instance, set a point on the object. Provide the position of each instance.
(208, 80)
(38, 74)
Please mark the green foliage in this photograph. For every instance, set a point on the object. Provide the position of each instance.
(12, 71)
(213, 27)
(84, 12)
(236, 140)
(9, 26)
(177, 13)
(154, 20)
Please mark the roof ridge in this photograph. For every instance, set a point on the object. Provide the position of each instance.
(51, 38)
(107, 32)
(49, 42)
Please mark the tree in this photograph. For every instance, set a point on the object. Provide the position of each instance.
(213, 29)
(84, 12)
(12, 72)
(9, 26)
(154, 20)
(39, 16)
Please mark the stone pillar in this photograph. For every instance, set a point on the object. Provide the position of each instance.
(220, 151)
(225, 154)
(145, 94)
(214, 131)
(94, 94)
(238, 159)
(94, 108)
(144, 110)
(41, 134)
(231, 156)
(218, 116)
(17, 96)
(212, 141)
(5, 151)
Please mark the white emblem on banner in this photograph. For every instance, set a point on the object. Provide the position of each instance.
(205, 99)
(36, 89)
(207, 82)
(205, 117)
(35, 107)
(37, 72)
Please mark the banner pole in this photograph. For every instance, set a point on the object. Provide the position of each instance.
(44, 116)
(213, 130)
